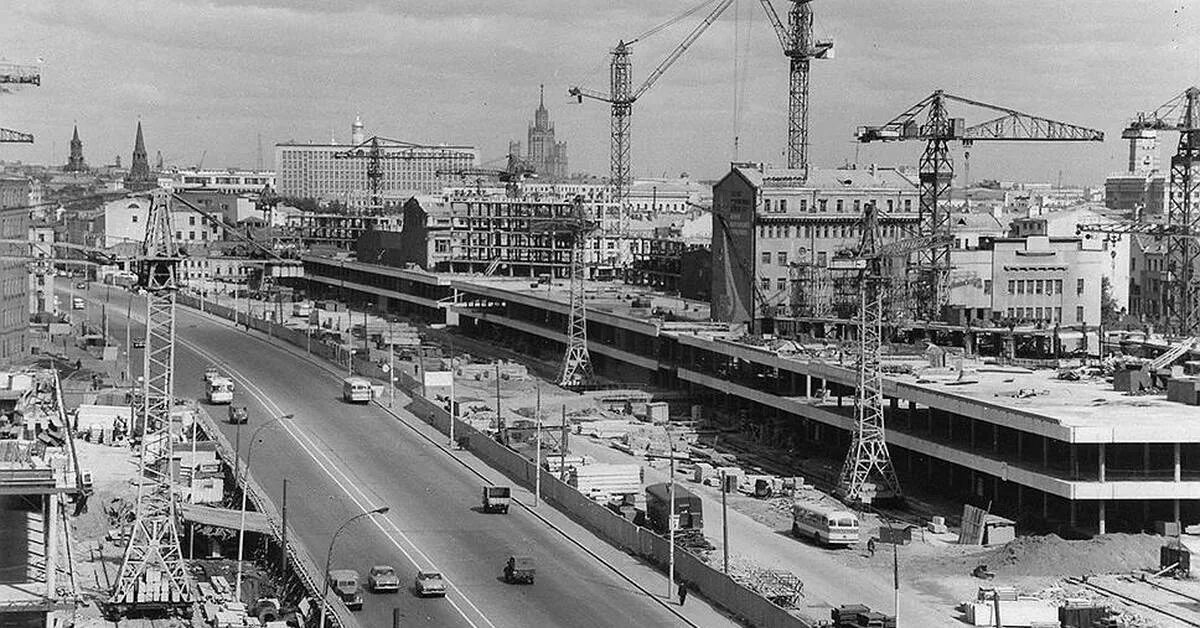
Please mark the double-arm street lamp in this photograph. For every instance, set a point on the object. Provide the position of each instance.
(245, 489)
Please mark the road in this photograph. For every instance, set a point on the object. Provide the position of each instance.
(342, 459)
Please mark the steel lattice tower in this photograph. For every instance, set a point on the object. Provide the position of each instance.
(868, 457)
(153, 575)
(936, 174)
(621, 74)
(1183, 253)
(577, 362)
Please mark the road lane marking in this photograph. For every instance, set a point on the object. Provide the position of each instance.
(313, 450)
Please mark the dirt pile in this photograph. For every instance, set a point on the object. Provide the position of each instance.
(1053, 556)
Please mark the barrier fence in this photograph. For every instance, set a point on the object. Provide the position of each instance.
(608, 525)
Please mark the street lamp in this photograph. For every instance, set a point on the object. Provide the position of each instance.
(350, 351)
(895, 564)
(329, 556)
(245, 477)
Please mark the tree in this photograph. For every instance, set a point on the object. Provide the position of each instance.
(1110, 312)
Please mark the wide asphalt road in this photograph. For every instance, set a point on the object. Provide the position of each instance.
(342, 459)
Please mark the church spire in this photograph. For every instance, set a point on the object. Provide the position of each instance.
(75, 161)
(139, 177)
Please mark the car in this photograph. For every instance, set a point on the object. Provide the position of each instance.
(81, 286)
(238, 415)
(345, 584)
(429, 583)
(139, 344)
(383, 579)
(210, 373)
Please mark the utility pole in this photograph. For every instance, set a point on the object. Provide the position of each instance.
(283, 531)
(724, 519)
(671, 516)
(391, 367)
(562, 447)
(128, 355)
(537, 468)
(500, 417)
(453, 410)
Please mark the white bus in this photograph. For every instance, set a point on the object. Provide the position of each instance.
(220, 390)
(825, 523)
(356, 390)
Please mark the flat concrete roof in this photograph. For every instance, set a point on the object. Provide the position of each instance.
(602, 296)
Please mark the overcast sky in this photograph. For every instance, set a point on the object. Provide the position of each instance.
(213, 76)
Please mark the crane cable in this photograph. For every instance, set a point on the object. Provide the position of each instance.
(671, 22)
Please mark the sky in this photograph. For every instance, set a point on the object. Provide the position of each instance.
(208, 79)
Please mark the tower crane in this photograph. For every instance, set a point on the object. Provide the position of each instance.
(800, 48)
(378, 149)
(936, 170)
(515, 171)
(622, 95)
(1182, 298)
(576, 370)
(18, 74)
(153, 575)
(868, 464)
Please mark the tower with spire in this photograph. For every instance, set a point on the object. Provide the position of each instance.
(75, 162)
(356, 131)
(546, 156)
(139, 177)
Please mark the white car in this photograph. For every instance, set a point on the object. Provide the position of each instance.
(429, 583)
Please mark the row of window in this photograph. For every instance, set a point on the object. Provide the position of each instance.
(780, 206)
(785, 232)
(1047, 314)
(1041, 286)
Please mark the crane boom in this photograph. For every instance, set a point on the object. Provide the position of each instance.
(687, 42)
(9, 136)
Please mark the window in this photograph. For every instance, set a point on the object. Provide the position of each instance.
(824, 204)
(203, 235)
(1021, 286)
(1010, 313)
(803, 204)
(134, 217)
(1058, 314)
(1040, 313)
(857, 206)
(1058, 286)
(1038, 286)
(987, 286)
(191, 235)
(1012, 286)
(191, 221)
(766, 257)
(1079, 287)
(782, 258)
(178, 235)
(767, 204)
(765, 283)
(781, 283)
(891, 204)
(1079, 312)
(782, 205)
(908, 204)
(821, 259)
(839, 205)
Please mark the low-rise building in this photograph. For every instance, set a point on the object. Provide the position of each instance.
(232, 180)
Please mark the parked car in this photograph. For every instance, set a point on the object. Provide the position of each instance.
(345, 584)
(383, 578)
(429, 583)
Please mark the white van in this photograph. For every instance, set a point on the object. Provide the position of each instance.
(824, 523)
(356, 390)
(220, 390)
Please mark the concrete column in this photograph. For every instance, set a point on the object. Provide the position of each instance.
(1071, 519)
(1146, 458)
(1020, 446)
(1103, 463)
(808, 386)
(1045, 451)
(50, 530)
(1020, 498)
(1103, 525)
(995, 438)
(1074, 460)
(1045, 505)
(1175, 508)
(1178, 470)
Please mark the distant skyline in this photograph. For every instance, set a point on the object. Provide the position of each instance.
(209, 77)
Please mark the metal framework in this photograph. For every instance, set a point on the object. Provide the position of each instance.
(374, 152)
(153, 576)
(17, 74)
(936, 172)
(576, 370)
(800, 48)
(622, 95)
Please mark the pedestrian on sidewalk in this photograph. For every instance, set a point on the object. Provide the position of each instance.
(683, 591)
(871, 547)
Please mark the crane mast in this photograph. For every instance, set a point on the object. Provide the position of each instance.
(799, 46)
(374, 152)
(153, 576)
(576, 370)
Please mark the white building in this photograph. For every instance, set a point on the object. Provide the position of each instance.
(231, 180)
(125, 223)
(312, 170)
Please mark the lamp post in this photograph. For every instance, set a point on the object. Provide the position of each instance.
(329, 556)
(245, 477)
(350, 351)
(895, 565)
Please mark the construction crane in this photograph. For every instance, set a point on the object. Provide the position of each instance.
(576, 370)
(868, 474)
(18, 74)
(622, 95)
(1181, 114)
(936, 170)
(515, 171)
(153, 576)
(378, 149)
(800, 48)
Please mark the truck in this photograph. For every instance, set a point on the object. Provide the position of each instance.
(220, 390)
(688, 508)
(496, 498)
(606, 480)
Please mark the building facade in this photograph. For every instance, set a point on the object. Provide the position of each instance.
(312, 170)
(42, 297)
(14, 273)
(773, 234)
(230, 181)
(544, 153)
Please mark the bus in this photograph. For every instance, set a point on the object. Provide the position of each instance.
(825, 523)
(356, 390)
(220, 390)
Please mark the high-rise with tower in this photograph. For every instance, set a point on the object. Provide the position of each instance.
(140, 177)
(75, 162)
(547, 157)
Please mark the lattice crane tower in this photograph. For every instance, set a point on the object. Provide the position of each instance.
(153, 576)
